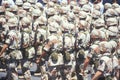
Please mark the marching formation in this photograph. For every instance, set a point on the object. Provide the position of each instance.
(66, 41)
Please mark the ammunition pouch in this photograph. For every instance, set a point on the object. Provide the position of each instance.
(28, 52)
(15, 54)
(108, 78)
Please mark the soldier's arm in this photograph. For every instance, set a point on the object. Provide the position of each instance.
(97, 75)
(86, 62)
(5, 46)
(44, 51)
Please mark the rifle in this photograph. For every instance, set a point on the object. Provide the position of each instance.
(64, 58)
(79, 77)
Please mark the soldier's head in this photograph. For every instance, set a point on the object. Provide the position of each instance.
(50, 12)
(25, 22)
(39, 5)
(63, 10)
(105, 47)
(2, 11)
(19, 3)
(96, 15)
(110, 13)
(115, 5)
(36, 13)
(50, 4)
(21, 13)
(31, 1)
(42, 20)
(82, 15)
(14, 9)
(83, 25)
(107, 6)
(6, 3)
(94, 49)
(95, 35)
(76, 10)
(86, 8)
(114, 45)
(9, 15)
(70, 17)
(99, 23)
(26, 6)
(83, 2)
(63, 3)
(53, 26)
(12, 22)
(112, 32)
(111, 22)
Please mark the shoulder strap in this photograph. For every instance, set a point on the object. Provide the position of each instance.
(22, 40)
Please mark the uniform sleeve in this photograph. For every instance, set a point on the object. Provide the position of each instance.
(101, 66)
(8, 40)
(89, 55)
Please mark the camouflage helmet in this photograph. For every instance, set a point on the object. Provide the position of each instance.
(19, 3)
(83, 24)
(83, 2)
(117, 10)
(111, 22)
(113, 31)
(36, 12)
(53, 26)
(110, 13)
(115, 5)
(107, 6)
(50, 4)
(113, 43)
(9, 15)
(82, 15)
(6, 3)
(12, 22)
(22, 13)
(38, 5)
(2, 10)
(42, 19)
(97, 7)
(2, 20)
(63, 10)
(99, 23)
(50, 11)
(31, 1)
(73, 3)
(86, 8)
(25, 21)
(105, 46)
(63, 3)
(96, 14)
(26, 5)
(76, 9)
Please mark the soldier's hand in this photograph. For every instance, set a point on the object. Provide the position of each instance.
(1, 56)
(82, 72)
(37, 61)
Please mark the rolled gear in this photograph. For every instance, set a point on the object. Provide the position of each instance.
(30, 52)
(16, 54)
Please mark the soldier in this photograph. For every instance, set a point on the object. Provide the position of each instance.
(28, 51)
(12, 45)
(91, 56)
(107, 64)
